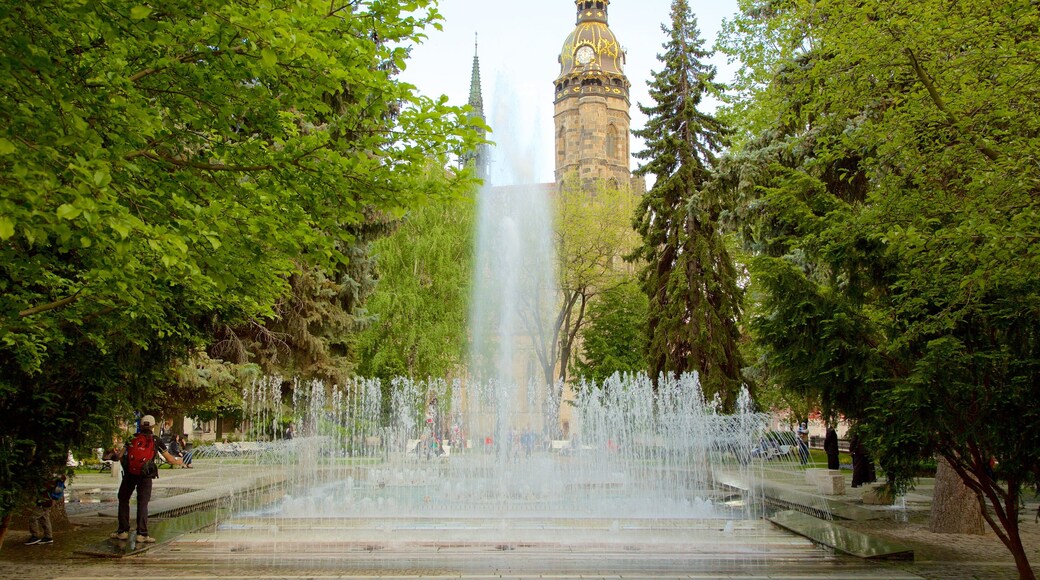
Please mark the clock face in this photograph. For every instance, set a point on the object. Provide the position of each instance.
(584, 55)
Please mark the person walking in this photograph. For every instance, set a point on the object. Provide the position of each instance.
(139, 469)
(803, 442)
(40, 517)
(830, 447)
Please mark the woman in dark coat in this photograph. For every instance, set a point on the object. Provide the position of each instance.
(830, 446)
(862, 464)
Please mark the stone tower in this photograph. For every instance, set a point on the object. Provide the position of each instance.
(592, 106)
(481, 158)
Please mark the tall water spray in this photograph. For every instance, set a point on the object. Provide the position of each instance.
(514, 291)
(481, 458)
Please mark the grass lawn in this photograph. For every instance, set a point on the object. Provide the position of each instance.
(819, 458)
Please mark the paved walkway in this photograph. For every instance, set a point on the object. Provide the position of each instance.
(186, 555)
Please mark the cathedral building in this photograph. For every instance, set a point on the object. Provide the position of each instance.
(592, 130)
(591, 113)
(591, 106)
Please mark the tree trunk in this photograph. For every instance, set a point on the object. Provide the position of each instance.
(4, 523)
(955, 507)
(178, 425)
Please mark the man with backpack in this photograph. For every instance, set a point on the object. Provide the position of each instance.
(139, 469)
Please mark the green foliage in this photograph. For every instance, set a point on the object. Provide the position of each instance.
(313, 333)
(206, 388)
(419, 308)
(614, 337)
(689, 277)
(592, 234)
(889, 185)
(170, 167)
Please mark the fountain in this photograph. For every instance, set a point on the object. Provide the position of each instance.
(639, 455)
(482, 464)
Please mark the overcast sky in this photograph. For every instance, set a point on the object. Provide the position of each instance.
(519, 42)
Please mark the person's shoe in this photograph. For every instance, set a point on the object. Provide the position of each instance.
(119, 535)
(47, 541)
(33, 540)
(145, 539)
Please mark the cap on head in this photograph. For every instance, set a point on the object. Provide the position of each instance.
(147, 420)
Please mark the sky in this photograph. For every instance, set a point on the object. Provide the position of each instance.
(518, 45)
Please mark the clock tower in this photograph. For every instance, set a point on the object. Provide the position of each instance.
(591, 105)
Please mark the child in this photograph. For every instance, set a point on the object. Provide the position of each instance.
(40, 517)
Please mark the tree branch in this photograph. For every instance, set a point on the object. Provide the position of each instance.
(51, 306)
(940, 104)
(183, 59)
(223, 167)
(206, 166)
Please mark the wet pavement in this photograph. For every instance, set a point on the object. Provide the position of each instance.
(189, 548)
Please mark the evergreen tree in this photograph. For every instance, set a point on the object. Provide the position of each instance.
(689, 276)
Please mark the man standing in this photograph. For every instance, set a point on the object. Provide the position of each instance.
(139, 469)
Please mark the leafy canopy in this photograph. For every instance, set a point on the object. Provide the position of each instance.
(165, 165)
(889, 187)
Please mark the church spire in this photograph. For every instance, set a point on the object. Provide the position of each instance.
(476, 100)
(480, 158)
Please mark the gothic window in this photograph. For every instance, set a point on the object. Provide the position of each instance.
(612, 142)
(561, 140)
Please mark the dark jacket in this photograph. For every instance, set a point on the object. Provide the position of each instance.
(830, 446)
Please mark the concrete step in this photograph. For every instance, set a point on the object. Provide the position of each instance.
(839, 537)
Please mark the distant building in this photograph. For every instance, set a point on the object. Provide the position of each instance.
(480, 159)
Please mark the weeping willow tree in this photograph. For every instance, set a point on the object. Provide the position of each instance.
(416, 322)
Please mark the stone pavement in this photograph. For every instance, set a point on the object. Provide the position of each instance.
(180, 554)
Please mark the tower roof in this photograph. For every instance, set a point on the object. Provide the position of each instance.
(592, 10)
(481, 157)
(476, 99)
(591, 54)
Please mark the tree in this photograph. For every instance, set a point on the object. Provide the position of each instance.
(166, 167)
(689, 276)
(313, 332)
(592, 234)
(614, 337)
(420, 306)
(890, 190)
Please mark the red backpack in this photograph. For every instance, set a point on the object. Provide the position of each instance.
(140, 455)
